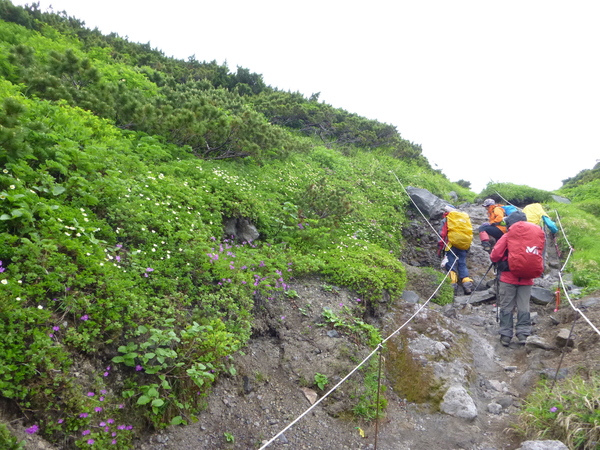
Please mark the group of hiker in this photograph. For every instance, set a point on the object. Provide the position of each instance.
(515, 240)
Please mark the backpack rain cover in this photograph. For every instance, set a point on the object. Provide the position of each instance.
(525, 250)
(460, 231)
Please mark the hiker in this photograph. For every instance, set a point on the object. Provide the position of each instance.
(518, 257)
(535, 214)
(456, 235)
(495, 226)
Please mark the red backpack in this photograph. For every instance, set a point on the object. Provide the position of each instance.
(526, 250)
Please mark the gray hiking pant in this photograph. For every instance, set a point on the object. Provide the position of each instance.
(511, 296)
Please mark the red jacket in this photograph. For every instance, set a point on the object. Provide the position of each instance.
(499, 253)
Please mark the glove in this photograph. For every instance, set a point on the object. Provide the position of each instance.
(485, 224)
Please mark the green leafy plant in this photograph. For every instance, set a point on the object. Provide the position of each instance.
(8, 441)
(229, 437)
(321, 380)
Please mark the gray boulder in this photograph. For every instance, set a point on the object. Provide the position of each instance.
(559, 199)
(429, 204)
(458, 403)
(410, 297)
(541, 296)
(241, 229)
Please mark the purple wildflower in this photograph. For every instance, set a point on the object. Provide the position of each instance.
(553, 409)
(97, 409)
(85, 317)
(55, 328)
(138, 368)
(90, 441)
(83, 415)
(32, 429)
(90, 394)
(85, 432)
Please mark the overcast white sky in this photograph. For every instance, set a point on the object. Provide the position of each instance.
(505, 91)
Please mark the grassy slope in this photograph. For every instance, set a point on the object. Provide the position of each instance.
(115, 263)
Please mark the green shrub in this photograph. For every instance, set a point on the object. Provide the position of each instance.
(514, 194)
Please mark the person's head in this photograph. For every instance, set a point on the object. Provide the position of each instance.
(517, 216)
(488, 202)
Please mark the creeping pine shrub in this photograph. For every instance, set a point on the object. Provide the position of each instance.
(515, 194)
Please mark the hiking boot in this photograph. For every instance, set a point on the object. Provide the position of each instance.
(486, 246)
(468, 287)
(522, 338)
(505, 340)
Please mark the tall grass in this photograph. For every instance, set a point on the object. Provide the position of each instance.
(570, 413)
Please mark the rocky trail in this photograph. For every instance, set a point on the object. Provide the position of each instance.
(485, 382)
(481, 385)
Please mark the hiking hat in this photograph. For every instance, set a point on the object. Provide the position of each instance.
(517, 216)
(449, 208)
(488, 201)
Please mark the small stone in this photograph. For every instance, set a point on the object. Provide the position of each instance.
(494, 408)
(565, 338)
(333, 334)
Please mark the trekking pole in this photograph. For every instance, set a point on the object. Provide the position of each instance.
(497, 299)
(479, 284)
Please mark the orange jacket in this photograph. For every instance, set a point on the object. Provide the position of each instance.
(496, 216)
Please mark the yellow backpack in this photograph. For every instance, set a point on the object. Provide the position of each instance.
(460, 231)
(534, 213)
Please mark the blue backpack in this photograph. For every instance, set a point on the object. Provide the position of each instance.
(509, 209)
